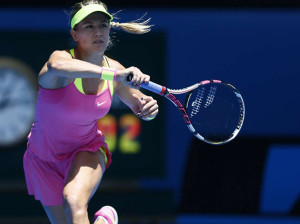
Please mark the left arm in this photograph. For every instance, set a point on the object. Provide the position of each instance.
(145, 107)
(142, 105)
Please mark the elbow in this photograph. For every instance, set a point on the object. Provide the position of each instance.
(55, 65)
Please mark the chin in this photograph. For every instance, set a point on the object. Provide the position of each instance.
(99, 50)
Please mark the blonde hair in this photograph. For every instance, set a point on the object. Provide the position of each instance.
(136, 27)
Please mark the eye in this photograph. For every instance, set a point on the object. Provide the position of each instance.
(88, 26)
(104, 25)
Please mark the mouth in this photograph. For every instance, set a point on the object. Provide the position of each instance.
(98, 42)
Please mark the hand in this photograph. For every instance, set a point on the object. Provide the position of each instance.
(137, 79)
(147, 107)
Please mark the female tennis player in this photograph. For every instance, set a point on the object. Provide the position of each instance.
(67, 155)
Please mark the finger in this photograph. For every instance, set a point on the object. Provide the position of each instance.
(149, 115)
(133, 86)
(148, 108)
(148, 105)
(134, 74)
(139, 77)
(138, 100)
(147, 102)
(143, 78)
(146, 78)
(147, 98)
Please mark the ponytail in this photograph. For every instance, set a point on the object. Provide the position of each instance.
(134, 27)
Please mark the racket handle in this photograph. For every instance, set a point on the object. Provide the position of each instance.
(151, 86)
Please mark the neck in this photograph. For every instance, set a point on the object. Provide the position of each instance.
(94, 58)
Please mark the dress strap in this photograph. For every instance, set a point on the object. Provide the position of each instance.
(110, 83)
(78, 81)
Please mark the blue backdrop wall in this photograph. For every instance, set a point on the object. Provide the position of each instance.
(258, 51)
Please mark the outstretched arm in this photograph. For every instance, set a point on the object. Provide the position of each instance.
(61, 69)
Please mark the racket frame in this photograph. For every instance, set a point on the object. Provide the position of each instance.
(169, 94)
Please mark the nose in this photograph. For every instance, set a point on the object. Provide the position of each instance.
(98, 33)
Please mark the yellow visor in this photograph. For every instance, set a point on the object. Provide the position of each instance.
(87, 10)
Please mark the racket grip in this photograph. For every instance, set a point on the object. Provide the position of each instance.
(151, 86)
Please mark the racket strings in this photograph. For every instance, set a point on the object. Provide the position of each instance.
(197, 102)
(216, 112)
(211, 96)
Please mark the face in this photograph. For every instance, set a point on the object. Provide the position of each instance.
(92, 33)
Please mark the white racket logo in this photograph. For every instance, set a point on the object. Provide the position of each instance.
(211, 96)
(197, 103)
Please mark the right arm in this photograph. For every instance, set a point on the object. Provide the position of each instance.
(61, 69)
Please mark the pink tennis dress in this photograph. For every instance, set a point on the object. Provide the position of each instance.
(65, 124)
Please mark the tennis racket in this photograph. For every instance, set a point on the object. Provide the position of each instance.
(213, 110)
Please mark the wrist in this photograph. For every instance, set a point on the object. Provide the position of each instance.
(108, 74)
(118, 75)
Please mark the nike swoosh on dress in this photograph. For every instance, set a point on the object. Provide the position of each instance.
(99, 104)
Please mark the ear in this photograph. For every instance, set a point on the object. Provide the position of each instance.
(74, 35)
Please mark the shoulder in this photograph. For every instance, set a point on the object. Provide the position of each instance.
(46, 77)
(61, 54)
(114, 64)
